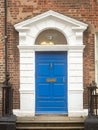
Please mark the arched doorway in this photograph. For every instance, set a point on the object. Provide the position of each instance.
(51, 75)
(30, 46)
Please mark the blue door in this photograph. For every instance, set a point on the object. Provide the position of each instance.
(51, 82)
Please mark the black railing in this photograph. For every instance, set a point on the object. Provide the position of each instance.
(91, 122)
(7, 98)
(8, 120)
(92, 99)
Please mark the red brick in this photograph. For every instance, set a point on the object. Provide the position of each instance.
(82, 10)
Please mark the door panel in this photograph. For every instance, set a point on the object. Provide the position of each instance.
(59, 69)
(51, 82)
(46, 89)
(59, 92)
(45, 67)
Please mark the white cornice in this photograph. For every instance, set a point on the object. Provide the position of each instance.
(51, 48)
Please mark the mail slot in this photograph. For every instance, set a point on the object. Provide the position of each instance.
(51, 80)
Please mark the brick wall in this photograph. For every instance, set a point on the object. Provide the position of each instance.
(2, 61)
(19, 10)
(2, 41)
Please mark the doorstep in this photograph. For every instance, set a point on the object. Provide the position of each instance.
(51, 117)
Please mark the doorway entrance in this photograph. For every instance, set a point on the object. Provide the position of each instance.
(51, 82)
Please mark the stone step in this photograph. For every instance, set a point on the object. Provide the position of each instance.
(50, 123)
(50, 128)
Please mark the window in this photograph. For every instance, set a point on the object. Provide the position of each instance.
(51, 37)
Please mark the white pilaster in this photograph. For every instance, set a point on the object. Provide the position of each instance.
(27, 80)
(75, 82)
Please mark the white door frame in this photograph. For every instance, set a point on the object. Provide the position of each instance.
(28, 32)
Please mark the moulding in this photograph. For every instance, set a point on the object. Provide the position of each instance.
(29, 30)
(50, 14)
(51, 48)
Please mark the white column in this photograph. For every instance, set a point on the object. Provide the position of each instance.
(75, 82)
(27, 83)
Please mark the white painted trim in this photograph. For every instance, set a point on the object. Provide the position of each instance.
(51, 48)
(23, 91)
(23, 113)
(28, 32)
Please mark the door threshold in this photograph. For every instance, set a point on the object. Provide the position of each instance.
(51, 115)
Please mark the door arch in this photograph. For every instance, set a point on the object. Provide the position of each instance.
(51, 37)
(28, 32)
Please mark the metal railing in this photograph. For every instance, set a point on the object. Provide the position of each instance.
(7, 98)
(92, 99)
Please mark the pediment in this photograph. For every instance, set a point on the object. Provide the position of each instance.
(52, 16)
(30, 29)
